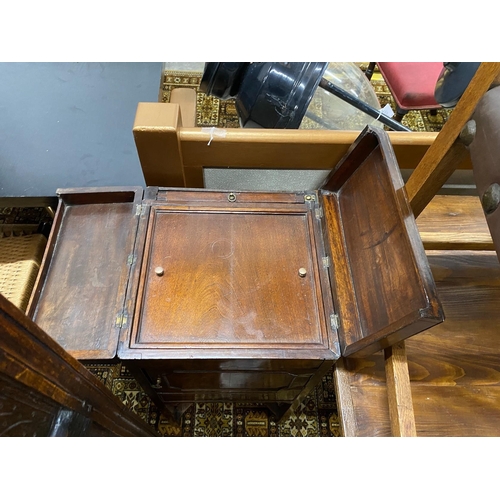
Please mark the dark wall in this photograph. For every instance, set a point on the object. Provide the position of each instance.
(70, 124)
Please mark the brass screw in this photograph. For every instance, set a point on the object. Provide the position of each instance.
(159, 271)
(302, 272)
(231, 197)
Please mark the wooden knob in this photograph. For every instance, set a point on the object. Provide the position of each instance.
(159, 271)
(302, 272)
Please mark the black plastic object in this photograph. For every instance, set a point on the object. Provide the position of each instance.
(268, 95)
(452, 82)
(276, 95)
(222, 79)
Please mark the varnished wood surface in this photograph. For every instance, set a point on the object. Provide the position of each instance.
(387, 292)
(82, 286)
(231, 278)
(454, 223)
(454, 367)
(230, 284)
(37, 377)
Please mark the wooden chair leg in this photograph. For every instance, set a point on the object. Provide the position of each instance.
(399, 392)
(400, 114)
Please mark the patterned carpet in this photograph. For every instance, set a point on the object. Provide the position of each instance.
(317, 415)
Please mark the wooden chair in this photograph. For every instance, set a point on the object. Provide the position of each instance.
(411, 84)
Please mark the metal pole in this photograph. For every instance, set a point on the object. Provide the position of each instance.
(362, 106)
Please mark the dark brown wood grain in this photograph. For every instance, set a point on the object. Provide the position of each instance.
(204, 277)
(231, 280)
(81, 289)
(230, 317)
(387, 292)
(38, 378)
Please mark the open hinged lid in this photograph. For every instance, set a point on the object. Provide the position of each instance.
(382, 284)
(80, 294)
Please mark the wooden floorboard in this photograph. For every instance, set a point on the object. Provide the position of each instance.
(454, 367)
(454, 222)
(457, 411)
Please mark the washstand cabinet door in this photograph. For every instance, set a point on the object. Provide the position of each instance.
(80, 293)
(381, 279)
(229, 279)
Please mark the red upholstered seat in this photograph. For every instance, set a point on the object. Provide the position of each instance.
(412, 84)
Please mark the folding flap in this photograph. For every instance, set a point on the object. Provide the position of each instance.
(382, 284)
(79, 297)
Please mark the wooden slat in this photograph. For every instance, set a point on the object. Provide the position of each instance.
(446, 152)
(454, 223)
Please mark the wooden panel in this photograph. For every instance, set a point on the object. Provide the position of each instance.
(231, 280)
(371, 411)
(454, 223)
(84, 275)
(37, 369)
(390, 280)
(399, 392)
(155, 133)
(24, 413)
(376, 241)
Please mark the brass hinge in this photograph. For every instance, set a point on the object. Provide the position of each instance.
(140, 209)
(319, 212)
(309, 198)
(131, 259)
(121, 319)
(334, 321)
(326, 262)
